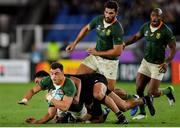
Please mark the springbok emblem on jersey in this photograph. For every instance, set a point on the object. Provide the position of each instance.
(158, 35)
(108, 32)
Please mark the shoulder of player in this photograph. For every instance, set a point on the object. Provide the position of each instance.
(99, 17)
(117, 27)
(68, 81)
(146, 24)
(166, 28)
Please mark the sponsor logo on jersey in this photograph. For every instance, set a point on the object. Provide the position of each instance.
(99, 27)
(146, 33)
(108, 32)
(158, 35)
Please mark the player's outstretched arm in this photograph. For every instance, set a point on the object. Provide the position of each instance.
(81, 34)
(29, 95)
(47, 117)
(133, 39)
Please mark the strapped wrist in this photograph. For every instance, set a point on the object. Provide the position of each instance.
(24, 100)
(49, 98)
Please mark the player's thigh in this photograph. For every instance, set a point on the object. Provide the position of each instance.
(155, 74)
(141, 81)
(153, 87)
(111, 84)
(83, 69)
(119, 102)
(89, 65)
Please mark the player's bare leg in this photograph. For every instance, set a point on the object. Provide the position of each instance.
(153, 88)
(111, 84)
(125, 105)
(83, 69)
(141, 82)
(123, 94)
(99, 93)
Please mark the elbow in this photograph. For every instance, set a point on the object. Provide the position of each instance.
(51, 116)
(64, 108)
(118, 53)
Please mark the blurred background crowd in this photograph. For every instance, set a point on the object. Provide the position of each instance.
(40, 30)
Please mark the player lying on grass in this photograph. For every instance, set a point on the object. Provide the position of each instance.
(91, 90)
(93, 83)
(99, 95)
(39, 76)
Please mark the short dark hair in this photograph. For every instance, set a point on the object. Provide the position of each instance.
(158, 11)
(112, 4)
(41, 73)
(56, 65)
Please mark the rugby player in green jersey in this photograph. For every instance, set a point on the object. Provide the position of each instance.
(93, 91)
(154, 64)
(109, 44)
(61, 96)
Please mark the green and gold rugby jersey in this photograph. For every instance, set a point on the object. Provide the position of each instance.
(156, 42)
(107, 37)
(68, 88)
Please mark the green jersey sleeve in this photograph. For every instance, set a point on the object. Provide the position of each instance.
(93, 22)
(117, 33)
(169, 36)
(142, 29)
(69, 88)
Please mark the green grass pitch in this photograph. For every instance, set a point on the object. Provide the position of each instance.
(12, 114)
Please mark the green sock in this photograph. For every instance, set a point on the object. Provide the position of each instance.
(142, 109)
(129, 96)
(165, 91)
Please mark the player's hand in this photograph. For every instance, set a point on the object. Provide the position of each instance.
(30, 120)
(23, 102)
(92, 51)
(49, 97)
(70, 48)
(163, 67)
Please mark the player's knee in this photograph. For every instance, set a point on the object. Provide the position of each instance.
(99, 91)
(98, 95)
(153, 93)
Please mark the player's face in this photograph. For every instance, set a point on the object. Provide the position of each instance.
(109, 15)
(56, 75)
(155, 19)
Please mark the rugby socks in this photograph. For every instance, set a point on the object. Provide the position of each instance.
(120, 115)
(129, 96)
(165, 91)
(142, 109)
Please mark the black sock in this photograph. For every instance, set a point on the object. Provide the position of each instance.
(120, 115)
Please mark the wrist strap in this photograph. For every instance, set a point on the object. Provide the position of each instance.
(25, 100)
(49, 98)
